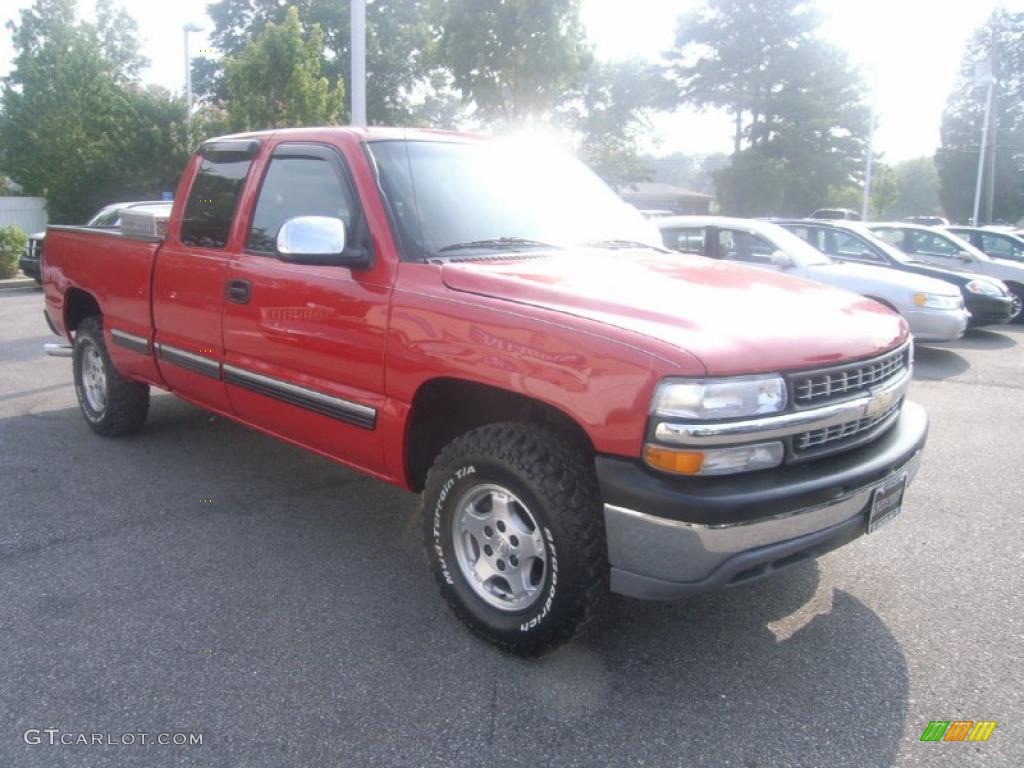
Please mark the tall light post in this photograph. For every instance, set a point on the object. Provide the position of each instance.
(189, 27)
(983, 75)
(358, 68)
(867, 170)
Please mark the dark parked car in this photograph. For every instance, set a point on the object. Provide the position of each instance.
(940, 247)
(109, 217)
(986, 299)
(998, 244)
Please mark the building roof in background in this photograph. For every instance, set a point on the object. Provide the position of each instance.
(658, 188)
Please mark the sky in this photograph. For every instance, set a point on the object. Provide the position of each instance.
(909, 51)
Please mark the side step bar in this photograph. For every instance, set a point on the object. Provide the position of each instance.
(58, 349)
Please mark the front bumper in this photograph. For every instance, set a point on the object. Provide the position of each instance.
(988, 310)
(670, 537)
(30, 267)
(937, 325)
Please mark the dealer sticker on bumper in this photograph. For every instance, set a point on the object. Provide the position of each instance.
(886, 502)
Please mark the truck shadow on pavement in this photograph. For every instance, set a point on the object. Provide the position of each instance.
(292, 619)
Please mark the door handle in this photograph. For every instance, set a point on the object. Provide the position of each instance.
(238, 291)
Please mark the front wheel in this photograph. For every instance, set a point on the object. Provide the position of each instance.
(112, 405)
(515, 535)
(1017, 295)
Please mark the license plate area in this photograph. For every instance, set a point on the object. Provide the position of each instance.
(886, 502)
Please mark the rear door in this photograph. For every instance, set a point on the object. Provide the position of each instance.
(188, 280)
(304, 345)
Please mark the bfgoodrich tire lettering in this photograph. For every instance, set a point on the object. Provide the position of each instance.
(112, 405)
(541, 474)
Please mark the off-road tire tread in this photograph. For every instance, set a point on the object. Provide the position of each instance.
(565, 475)
(127, 401)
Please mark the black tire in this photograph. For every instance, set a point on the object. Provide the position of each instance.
(1017, 294)
(556, 481)
(126, 403)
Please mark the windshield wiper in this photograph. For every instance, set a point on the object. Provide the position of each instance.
(497, 242)
(622, 244)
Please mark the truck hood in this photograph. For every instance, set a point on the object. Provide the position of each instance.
(857, 277)
(735, 319)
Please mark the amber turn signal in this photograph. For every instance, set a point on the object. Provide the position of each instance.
(672, 460)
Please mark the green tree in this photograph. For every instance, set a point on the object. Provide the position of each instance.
(513, 59)
(74, 126)
(398, 39)
(612, 112)
(275, 82)
(797, 104)
(917, 188)
(1002, 38)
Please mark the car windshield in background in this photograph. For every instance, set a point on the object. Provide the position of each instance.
(455, 198)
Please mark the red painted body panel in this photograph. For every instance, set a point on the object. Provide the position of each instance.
(589, 333)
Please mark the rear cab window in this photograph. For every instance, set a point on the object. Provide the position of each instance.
(211, 203)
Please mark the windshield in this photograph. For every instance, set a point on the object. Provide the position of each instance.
(455, 198)
(802, 252)
(877, 242)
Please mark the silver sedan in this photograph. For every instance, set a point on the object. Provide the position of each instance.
(934, 309)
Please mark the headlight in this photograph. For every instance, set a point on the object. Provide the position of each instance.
(935, 301)
(719, 398)
(986, 288)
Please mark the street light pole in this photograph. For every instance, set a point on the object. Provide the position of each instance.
(358, 24)
(983, 76)
(867, 171)
(190, 27)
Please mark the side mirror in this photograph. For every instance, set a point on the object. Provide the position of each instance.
(318, 240)
(781, 259)
(965, 257)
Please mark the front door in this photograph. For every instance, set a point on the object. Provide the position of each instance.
(304, 345)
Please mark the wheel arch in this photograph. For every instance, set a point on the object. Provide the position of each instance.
(445, 407)
(78, 305)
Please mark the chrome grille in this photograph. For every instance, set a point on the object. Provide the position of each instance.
(828, 436)
(822, 386)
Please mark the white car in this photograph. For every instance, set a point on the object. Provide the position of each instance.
(933, 245)
(934, 309)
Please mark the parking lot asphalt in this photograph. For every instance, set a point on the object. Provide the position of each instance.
(202, 578)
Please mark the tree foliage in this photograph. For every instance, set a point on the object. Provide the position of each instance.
(397, 43)
(611, 112)
(513, 59)
(75, 126)
(1001, 37)
(275, 82)
(797, 104)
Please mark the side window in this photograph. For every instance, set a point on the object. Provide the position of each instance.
(297, 186)
(931, 244)
(743, 246)
(996, 246)
(890, 236)
(804, 233)
(854, 248)
(211, 201)
(690, 240)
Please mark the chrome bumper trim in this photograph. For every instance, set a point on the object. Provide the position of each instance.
(680, 552)
(786, 424)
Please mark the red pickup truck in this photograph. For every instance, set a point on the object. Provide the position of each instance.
(485, 322)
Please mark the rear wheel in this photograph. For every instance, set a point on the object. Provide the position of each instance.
(515, 535)
(112, 405)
